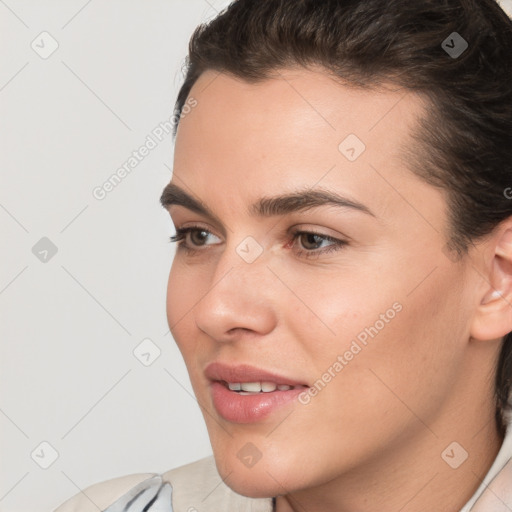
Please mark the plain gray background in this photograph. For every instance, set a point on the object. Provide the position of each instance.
(69, 325)
(81, 399)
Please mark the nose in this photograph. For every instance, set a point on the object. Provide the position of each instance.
(241, 297)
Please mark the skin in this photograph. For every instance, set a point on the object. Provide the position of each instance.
(373, 437)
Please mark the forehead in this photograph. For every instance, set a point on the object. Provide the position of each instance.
(305, 96)
(300, 127)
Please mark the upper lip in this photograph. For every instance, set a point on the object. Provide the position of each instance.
(218, 371)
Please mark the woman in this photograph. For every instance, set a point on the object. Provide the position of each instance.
(342, 285)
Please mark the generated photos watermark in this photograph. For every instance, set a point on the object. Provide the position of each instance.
(156, 136)
(356, 347)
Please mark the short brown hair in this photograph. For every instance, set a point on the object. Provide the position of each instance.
(465, 140)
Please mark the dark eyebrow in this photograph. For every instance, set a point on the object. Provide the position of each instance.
(267, 206)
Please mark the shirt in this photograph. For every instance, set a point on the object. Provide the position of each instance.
(197, 487)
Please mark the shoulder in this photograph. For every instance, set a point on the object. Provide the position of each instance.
(191, 487)
(101, 495)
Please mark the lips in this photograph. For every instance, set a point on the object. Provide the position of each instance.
(222, 372)
(246, 394)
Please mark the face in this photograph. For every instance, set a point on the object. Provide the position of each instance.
(351, 302)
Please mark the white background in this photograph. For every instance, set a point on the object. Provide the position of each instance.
(69, 326)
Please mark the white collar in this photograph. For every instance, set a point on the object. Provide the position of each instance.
(495, 492)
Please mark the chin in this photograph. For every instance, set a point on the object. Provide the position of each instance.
(264, 479)
(252, 485)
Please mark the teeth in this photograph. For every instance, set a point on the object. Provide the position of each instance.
(254, 387)
(257, 387)
(268, 386)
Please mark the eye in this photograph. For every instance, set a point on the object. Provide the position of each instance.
(311, 238)
(198, 235)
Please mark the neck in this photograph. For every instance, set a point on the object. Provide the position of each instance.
(416, 475)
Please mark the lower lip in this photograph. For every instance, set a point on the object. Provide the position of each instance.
(249, 408)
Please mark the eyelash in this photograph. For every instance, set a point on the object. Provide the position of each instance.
(180, 238)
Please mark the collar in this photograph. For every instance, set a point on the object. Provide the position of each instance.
(495, 492)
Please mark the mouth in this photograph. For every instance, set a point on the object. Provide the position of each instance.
(246, 394)
(248, 378)
(255, 388)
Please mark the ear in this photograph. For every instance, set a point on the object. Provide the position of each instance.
(493, 317)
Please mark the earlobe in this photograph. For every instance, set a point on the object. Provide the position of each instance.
(493, 316)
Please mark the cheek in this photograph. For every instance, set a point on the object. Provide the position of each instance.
(185, 289)
(174, 290)
(394, 351)
(180, 300)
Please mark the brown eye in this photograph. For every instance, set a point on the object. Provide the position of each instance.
(198, 236)
(310, 242)
(310, 239)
